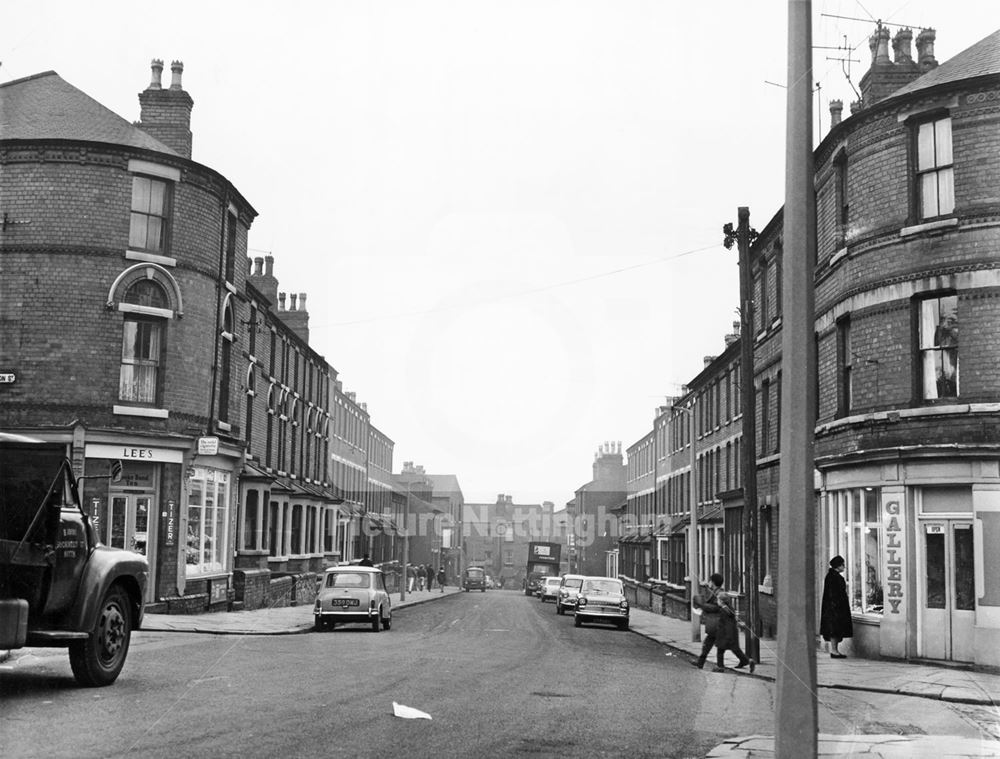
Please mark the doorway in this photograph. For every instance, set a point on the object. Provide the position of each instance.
(948, 589)
(128, 525)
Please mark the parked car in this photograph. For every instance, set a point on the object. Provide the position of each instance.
(569, 589)
(548, 588)
(474, 578)
(601, 599)
(353, 594)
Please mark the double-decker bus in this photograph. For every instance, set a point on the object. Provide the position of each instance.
(543, 561)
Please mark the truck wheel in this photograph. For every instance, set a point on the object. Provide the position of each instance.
(98, 660)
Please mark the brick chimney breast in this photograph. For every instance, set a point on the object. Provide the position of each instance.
(166, 114)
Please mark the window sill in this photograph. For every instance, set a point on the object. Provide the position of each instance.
(929, 226)
(150, 258)
(152, 413)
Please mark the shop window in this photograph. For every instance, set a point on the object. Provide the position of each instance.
(250, 509)
(208, 522)
(854, 532)
(150, 218)
(935, 176)
(938, 347)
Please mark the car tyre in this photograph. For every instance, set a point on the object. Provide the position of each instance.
(377, 621)
(97, 661)
(387, 622)
(559, 608)
(576, 620)
(319, 625)
(623, 625)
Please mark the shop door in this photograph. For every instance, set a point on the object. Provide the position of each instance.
(948, 598)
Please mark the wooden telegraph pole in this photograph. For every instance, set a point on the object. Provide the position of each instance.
(743, 236)
(796, 712)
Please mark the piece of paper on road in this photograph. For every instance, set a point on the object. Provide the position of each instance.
(408, 712)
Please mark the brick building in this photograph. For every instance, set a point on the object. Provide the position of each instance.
(138, 330)
(594, 513)
(121, 261)
(907, 440)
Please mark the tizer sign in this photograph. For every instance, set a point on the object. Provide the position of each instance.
(541, 550)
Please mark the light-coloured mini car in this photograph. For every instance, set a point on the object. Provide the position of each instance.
(602, 599)
(353, 594)
(548, 588)
(569, 589)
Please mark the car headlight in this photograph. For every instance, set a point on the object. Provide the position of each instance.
(624, 605)
(581, 601)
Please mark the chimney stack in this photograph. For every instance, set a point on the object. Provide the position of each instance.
(297, 318)
(263, 278)
(166, 114)
(887, 75)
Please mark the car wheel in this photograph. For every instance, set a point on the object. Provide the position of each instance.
(482, 590)
(387, 622)
(623, 625)
(559, 608)
(576, 620)
(98, 660)
(320, 625)
(376, 621)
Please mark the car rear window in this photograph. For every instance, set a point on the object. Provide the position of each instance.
(348, 580)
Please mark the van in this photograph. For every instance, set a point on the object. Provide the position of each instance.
(474, 578)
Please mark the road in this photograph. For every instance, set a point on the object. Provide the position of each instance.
(500, 674)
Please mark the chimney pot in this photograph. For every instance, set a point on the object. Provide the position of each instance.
(258, 266)
(901, 46)
(176, 69)
(925, 49)
(269, 266)
(281, 301)
(157, 70)
(302, 301)
(292, 298)
(709, 360)
(878, 43)
(836, 109)
(855, 106)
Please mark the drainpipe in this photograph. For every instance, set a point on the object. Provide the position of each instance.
(219, 287)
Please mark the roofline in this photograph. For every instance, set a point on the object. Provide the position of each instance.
(51, 72)
(145, 152)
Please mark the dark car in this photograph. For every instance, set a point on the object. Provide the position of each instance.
(474, 578)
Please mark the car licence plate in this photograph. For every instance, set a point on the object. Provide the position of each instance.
(343, 602)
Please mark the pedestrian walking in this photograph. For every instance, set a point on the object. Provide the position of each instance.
(719, 620)
(411, 577)
(441, 578)
(430, 578)
(421, 576)
(835, 612)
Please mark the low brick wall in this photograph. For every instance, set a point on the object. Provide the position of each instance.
(193, 603)
(306, 586)
(251, 586)
(281, 591)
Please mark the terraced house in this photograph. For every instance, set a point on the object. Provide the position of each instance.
(907, 424)
(134, 328)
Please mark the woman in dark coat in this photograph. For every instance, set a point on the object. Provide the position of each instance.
(835, 615)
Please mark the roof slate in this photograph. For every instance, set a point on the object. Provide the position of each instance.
(982, 59)
(46, 106)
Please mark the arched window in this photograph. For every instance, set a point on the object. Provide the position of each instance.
(143, 343)
(225, 374)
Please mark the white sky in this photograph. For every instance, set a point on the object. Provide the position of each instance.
(506, 214)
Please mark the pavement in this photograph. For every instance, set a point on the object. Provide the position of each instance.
(950, 684)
